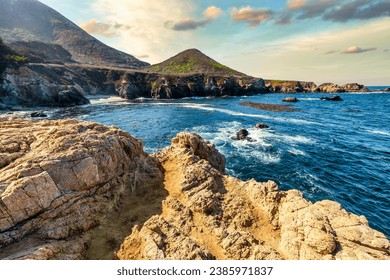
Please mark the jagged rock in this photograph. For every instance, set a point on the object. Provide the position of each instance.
(290, 99)
(209, 215)
(58, 179)
(242, 134)
(261, 126)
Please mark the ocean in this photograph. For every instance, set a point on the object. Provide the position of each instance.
(328, 150)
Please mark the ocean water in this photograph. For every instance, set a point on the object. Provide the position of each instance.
(329, 150)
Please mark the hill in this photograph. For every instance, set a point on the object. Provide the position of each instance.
(193, 61)
(44, 35)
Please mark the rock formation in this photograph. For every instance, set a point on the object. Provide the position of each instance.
(209, 215)
(64, 182)
(58, 179)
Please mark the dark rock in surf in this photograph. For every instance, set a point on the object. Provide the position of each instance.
(242, 134)
(333, 98)
(38, 115)
(261, 126)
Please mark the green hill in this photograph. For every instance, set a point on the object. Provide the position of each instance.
(192, 61)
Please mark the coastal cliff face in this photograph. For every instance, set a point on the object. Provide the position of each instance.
(75, 190)
(42, 84)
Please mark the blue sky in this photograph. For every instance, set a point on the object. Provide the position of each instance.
(312, 40)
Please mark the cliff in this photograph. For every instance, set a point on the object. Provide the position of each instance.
(74, 190)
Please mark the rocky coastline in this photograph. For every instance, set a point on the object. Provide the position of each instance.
(79, 190)
(67, 85)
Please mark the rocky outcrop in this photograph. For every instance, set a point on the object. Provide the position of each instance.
(333, 98)
(58, 179)
(276, 86)
(209, 215)
(74, 190)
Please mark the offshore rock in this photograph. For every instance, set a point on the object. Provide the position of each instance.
(58, 179)
(210, 215)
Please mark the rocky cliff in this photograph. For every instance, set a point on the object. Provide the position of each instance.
(38, 84)
(76, 190)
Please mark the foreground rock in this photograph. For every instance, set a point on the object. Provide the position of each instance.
(74, 190)
(58, 179)
(209, 215)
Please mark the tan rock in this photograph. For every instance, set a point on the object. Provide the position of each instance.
(225, 218)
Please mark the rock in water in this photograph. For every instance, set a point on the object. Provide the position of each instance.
(242, 134)
(333, 98)
(290, 99)
(38, 115)
(261, 126)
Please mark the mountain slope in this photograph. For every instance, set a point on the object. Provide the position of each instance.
(39, 32)
(193, 61)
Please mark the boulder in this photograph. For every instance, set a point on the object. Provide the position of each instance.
(261, 126)
(71, 97)
(242, 134)
(290, 99)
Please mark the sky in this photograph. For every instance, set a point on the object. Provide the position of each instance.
(310, 40)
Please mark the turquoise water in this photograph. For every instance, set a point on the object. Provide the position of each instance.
(328, 150)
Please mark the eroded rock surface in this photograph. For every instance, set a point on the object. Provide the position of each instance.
(58, 179)
(209, 215)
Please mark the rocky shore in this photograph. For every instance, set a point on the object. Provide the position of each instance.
(79, 190)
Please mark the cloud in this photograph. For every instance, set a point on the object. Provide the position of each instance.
(295, 4)
(184, 25)
(356, 49)
(148, 34)
(250, 15)
(210, 14)
(98, 28)
(359, 9)
(331, 52)
(314, 9)
(283, 19)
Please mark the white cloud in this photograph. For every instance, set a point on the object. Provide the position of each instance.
(250, 15)
(212, 12)
(148, 35)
